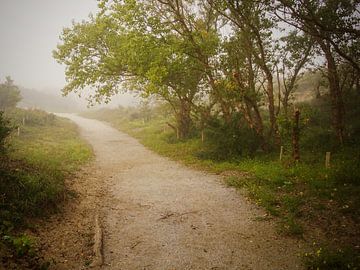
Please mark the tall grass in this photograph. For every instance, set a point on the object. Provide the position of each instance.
(300, 194)
(33, 171)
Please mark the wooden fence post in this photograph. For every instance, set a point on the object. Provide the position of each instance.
(327, 159)
(281, 152)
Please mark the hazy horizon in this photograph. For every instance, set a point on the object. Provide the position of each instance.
(30, 32)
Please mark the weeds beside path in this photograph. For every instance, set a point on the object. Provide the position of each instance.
(308, 201)
(40, 158)
(159, 214)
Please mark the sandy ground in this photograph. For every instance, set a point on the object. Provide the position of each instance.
(158, 214)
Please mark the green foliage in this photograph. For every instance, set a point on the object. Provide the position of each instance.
(28, 192)
(33, 171)
(33, 117)
(224, 84)
(295, 194)
(33, 180)
(229, 140)
(292, 193)
(9, 94)
(326, 258)
(127, 46)
(352, 99)
(5, 130)
(23, 244)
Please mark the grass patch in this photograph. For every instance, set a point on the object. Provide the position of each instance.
(56, 147)
(273, 184)
(33, 173)
(326, 258)
(302, 196)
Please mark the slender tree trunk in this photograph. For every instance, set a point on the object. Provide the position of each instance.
(184, 119)
(255, 122)
(285, 103)
(252, 104)
(296, 136)
(260, 128)
(271, 107)
(317, 91)
(337, 103)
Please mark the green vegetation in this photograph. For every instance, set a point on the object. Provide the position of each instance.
(304, 196)
(230, 72)
(9, 94)
(5, 130)
(220, 63)
(38, 159)
(323, 258)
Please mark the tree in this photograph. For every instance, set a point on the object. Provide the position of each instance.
(197, 32)
(295, 54)
(213, 58)
(334, 27)
(130, 45)
(252, 18)
(243, 82)
(9, 94)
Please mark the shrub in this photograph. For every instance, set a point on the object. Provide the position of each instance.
(33, 117)
(230, 140)
(22, 245)
(25, 192)
(9, 94)
(325, 258)
(5, 130)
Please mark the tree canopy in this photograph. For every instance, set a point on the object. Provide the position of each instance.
(210, 58)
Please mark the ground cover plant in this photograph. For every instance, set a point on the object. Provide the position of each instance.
(308, 200)
(239, 75)
(40, 152)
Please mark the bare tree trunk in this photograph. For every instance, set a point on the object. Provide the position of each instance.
(296, 136)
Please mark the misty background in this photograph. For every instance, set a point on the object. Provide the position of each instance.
(29, 33)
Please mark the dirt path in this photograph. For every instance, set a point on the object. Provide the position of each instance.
(157, 214)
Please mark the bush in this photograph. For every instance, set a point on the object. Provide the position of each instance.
(33, 117)
(9, 94)
(347, 172)
(25, 192)
(325, 258)
(5, 130)
(22, 245)
(226, 141)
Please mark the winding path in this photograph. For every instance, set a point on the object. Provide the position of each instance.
(158, 214)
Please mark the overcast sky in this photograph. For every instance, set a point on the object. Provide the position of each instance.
(29, 31)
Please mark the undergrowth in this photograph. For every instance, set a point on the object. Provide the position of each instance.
(32, 170)
(304, 196)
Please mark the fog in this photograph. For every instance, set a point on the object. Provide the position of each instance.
(29, 31)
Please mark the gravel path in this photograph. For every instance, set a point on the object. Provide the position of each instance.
(158, 214)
